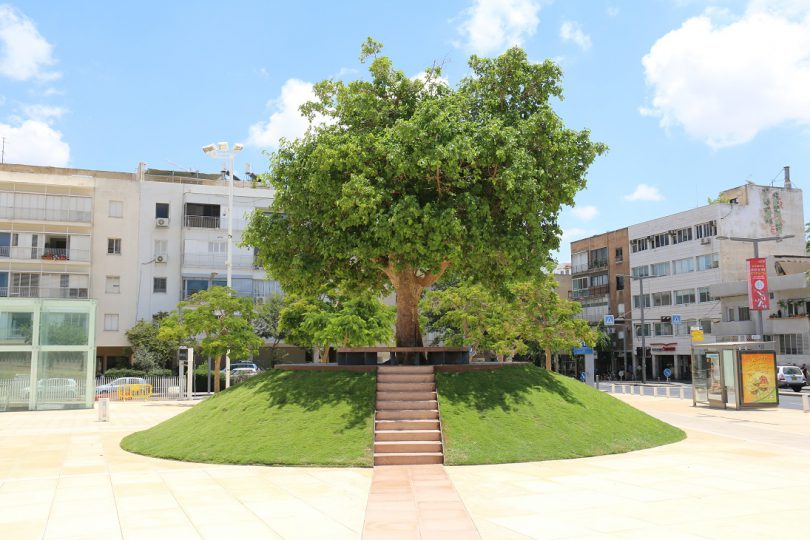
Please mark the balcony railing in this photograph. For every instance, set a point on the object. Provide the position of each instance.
(45, 214)
(44, 253)
(209, 260)
(202, 222)
(44, 292)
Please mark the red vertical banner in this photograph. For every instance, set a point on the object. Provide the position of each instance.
(758, 298)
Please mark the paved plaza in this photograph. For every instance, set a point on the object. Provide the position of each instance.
(740, 474)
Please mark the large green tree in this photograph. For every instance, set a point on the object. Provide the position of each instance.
(408, 177)
(219, 321)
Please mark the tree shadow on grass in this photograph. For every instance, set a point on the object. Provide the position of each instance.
(502, 388)
(313, 391)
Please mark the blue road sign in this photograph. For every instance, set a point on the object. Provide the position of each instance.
(676, 319)
(667, 373)
(609, 320)
(582, 350)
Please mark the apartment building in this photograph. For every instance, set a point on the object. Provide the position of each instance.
(678, 259)
(599, 282)
(786, 323)
(137, 243)
(63, 234)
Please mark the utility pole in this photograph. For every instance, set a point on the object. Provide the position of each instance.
(643, 332)
(3, 153)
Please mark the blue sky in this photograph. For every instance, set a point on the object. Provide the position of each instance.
(691, 96)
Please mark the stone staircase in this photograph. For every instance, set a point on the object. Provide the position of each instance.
(406, 426)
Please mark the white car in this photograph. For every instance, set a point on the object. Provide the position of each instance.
(55, 388)
(790, 376)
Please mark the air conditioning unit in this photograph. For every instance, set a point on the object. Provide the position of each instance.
(161, 258)
(162, 222)
(705, 241)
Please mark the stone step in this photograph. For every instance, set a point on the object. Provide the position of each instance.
(390, 405)
(407, 435)
(410, 370)
(395, 425)
(405, 396)
(423, 458)
(405, 378)
(408, 415)
(405, 387)
(406, 447)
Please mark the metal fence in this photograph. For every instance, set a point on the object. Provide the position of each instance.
(126, 388)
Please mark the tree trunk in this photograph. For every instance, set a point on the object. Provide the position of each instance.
(217, 363)
(548, 358)
(408, 331)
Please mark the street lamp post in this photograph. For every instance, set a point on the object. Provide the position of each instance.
(218, 151)
(761, 325)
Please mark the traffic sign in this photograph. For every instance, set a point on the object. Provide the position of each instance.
(697, 335)
(676, 319)
(667, 373)
(609, 320)
(582, 350)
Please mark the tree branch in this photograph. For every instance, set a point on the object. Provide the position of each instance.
(429, 279)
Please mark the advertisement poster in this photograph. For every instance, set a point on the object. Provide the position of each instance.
(758, 374)
(758, 298)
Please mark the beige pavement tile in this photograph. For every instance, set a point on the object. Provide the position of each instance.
(23, 530)
(162, 533)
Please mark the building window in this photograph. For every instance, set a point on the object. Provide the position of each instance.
(707, 262)
(684, 296)
(743, 313)
(111, 322)
(159, 285)
(703, 294)
(643, 330)
(600, 280)
(640, 244)
(730, 315)
(681, 235)
(637, 301)
(619, 255)
(113, 285)
(579, 262)
(682, 266)
(792, 343)
(705, 230)
(660, 269)
(662, 329)
(113, 246)
(64, 281)
(662, 298)
(162, 210)
(660, 240)
(579, 287)
(161, 247)
(640, 271)
(619, 283)
(116, 209)
(598, 258)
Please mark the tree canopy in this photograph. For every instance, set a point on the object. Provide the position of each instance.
(407, 177)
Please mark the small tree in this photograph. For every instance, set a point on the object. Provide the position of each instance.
(336, 320)
(150, 351)
(265, 324)
(220, 320)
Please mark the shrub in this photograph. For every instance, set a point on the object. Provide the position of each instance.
(124, 372)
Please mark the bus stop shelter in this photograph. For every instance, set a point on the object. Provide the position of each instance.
(737, 375)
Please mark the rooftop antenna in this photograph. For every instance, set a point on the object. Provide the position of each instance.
(179, 168)
(3, 154)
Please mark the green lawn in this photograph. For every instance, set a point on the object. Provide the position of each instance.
(275, 418)
(524, 413)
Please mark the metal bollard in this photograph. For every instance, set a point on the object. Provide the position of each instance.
(806, 402)
(612, 388)
(669, 391)
(655, 391)
(104, 409)
(682, 393)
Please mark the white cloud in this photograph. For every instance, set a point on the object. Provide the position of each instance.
(24, 53)
(585, 213)
(573, 234)
(725, 79)
(612, 11)
(34, 142)
(572, 31)
(644, 192)
(286, 120)
(44, 113)
(490, 26)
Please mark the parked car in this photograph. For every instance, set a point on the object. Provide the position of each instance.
(790, 376)
(54, 388)
(112, 387)
(243, 371)
(242, 365)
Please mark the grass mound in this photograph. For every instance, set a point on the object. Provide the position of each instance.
(524, 413)
(275, 418)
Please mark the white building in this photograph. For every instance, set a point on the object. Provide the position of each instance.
(137, 243)
(787, 322)
(681, 257)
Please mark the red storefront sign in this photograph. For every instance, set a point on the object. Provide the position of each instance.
(758, 298)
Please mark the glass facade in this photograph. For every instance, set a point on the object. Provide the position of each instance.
(47, 354)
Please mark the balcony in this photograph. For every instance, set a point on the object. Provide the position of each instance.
(217, 260)
(593, 266)
(45, 214)
(44, 253)
(44, 292)
(201, 222)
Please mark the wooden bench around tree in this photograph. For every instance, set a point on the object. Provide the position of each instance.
(354, 356)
